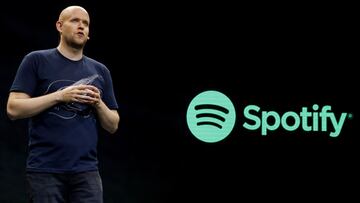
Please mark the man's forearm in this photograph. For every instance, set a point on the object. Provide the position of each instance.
(109, 119)
(20, 105)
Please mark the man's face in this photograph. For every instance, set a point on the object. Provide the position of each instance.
(75, 28)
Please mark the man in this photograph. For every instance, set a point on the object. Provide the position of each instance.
(65, 95)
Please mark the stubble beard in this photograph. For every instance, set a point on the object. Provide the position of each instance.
(74, 44)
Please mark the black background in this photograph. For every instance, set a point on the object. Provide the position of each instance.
(161, 55)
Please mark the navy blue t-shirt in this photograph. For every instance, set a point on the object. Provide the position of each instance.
(63, 138)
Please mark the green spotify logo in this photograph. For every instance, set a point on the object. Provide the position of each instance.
(211, 116)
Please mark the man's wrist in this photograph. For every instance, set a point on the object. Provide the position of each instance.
(58, 96)
(97, 105)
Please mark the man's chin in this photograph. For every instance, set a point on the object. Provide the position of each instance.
(78, 45)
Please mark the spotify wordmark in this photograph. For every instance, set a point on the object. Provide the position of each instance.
(291, 120)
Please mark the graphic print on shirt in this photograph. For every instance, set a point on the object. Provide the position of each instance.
(73, 109)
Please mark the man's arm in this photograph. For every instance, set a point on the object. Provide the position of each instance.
(109, 119)
(21, 105)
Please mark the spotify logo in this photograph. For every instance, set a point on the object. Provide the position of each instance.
(211, 116)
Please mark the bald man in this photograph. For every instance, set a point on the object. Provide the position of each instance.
(64, 94)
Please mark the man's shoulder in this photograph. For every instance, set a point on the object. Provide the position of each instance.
(95, 62)
(41, 52)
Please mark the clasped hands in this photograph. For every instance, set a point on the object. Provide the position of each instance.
(86, 94)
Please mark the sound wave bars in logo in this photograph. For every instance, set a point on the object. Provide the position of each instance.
(208, 114)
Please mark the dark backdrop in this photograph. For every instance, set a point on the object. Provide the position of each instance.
(161, 55)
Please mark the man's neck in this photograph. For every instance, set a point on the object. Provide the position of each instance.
(69, 52)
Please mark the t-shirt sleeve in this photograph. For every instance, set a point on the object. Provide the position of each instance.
(26, 77)
(108, 94)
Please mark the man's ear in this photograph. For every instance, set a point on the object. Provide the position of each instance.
(59, 26)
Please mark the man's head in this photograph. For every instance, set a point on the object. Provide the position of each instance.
(73, 26)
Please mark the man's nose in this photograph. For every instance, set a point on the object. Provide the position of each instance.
(81, 26)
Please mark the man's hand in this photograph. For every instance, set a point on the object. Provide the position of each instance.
(87, 94)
